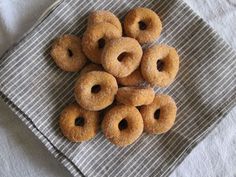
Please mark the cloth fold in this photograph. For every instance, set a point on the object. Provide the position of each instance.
(204, 90)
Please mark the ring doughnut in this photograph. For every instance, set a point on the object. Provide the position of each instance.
(95, 90)
(159, 65)
(78, 124)
(121, 56)
(101, 16)
(122, 125)
(95, 38)
(91, 67)
(135, 96)
(67, 53)
(142, 24)
(159, 116)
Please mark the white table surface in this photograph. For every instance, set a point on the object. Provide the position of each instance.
(23, 155)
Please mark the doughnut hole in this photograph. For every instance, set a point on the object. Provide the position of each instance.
(142, 25)
(160, 65)
(70, 53)
(79, 121)
(123, 124)
(95, 89)
(101, 43)
(122, 56)
(157, 114)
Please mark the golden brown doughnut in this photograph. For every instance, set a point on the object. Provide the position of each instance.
(135, 96)
(159, 65)
(101, 16)
(95, 90)
(122, 125)
(78, 124)
(121, 56)
(91, 67)
(142, 24)
(159, 116)
(67, 53)
(96, 37)
(134, 79)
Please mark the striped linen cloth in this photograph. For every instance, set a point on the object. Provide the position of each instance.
(205, 89)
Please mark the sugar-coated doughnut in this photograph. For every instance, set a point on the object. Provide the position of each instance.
(95, 90)
(122, 125)
(134, 79)
(121, 56)
(142, 24)
(78, 124)
(101, 16)
(67, 53)
(159, 116)
(91, 67)
(135, 96)
(95, 39)
(160, 65)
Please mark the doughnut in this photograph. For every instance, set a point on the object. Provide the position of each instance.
(95, 90)
(95, 38)
(159, 65)
(121, 56)
(142, 24)
(91, 67)
(134, 79)
(122, 125)
(101, 16)
(135, 96)
(67, 53)
(78, 124)
(159, 116)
